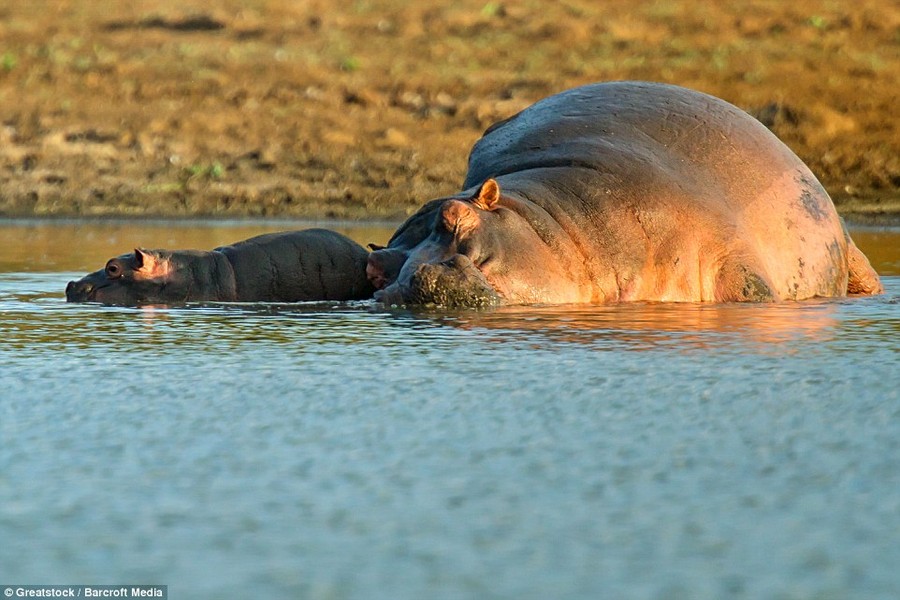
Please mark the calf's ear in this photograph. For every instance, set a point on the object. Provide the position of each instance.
(148, 264)
(487, 196)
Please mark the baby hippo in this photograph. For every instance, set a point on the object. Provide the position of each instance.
(314, 264)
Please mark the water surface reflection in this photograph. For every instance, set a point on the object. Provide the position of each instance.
(644, 326)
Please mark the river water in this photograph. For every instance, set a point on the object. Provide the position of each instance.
(345, 451)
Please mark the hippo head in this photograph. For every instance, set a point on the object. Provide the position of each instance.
(143, 277)
(478, 252)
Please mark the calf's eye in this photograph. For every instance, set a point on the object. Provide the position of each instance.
(113, 270)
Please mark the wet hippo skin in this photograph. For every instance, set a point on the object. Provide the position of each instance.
(625, 191)
(314, 264)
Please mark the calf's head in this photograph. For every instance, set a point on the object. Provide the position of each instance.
(143, 277)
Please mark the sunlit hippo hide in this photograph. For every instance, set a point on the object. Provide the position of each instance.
(314, 264)
(625, 191)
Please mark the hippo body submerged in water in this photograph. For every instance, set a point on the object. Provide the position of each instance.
(611, 192)
(314, 264)
(625, 191)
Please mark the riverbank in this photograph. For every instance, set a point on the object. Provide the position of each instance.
(307, 110)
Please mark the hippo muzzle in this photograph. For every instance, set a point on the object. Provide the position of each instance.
(83, 290)
(77, 291)
(452, 283)
(97, 288)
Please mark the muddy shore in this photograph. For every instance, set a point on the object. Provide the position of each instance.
(288, 109)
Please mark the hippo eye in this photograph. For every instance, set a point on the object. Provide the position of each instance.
(486, 264)
(113, 270)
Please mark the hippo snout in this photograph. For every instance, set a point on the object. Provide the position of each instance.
(453, 283)
(79, 291)
(76, 292)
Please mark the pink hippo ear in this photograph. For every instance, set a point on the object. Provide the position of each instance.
(149, 265)
(487, 196)
(459, 218)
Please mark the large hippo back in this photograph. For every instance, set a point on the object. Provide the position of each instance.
(604, 126)
(613, 161)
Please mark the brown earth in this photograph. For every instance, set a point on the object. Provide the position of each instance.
(369, 108)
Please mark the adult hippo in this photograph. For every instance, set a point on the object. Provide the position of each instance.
(314, 264)
(625, 191)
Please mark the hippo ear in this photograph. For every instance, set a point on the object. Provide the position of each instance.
(487, 196)
(140, 256)
(459, 218)
(375, 247)
(148, 264)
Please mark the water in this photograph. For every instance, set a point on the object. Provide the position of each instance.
(344, 451)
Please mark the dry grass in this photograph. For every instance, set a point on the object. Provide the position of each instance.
(292, 108)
